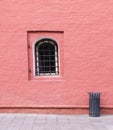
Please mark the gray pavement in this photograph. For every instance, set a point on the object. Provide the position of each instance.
(54, 122)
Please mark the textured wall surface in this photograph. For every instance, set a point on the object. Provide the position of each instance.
(87, 52)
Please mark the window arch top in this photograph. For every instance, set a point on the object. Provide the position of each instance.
(46, 40)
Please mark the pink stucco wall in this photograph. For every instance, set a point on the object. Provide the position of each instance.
(86, 52)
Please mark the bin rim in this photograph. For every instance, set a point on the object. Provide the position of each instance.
(94, 92)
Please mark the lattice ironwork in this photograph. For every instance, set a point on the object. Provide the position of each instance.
(46, 57)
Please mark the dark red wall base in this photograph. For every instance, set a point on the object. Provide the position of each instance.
(53, 110)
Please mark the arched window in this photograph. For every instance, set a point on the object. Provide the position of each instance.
(46, 57)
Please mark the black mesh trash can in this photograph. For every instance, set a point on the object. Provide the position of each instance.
(94, 104)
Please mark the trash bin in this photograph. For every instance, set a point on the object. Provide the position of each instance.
(94, 104)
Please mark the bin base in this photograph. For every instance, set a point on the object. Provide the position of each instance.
(94, 115)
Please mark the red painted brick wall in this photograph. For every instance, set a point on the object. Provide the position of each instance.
(87, 52)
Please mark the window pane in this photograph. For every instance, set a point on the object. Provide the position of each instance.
(46, 56)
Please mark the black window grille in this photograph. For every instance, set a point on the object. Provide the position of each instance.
(46, 57)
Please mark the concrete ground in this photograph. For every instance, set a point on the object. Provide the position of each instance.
(55, 122)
